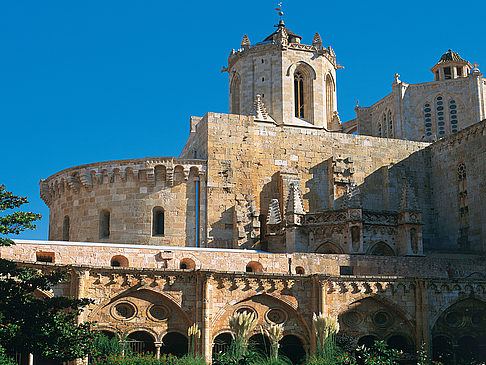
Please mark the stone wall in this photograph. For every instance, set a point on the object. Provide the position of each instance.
(246, 158)
(162, 301)
(459, 196)
(129, 190)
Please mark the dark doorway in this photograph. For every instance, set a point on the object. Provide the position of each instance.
(399, 342)
(174, 343)
(141, 342)
(367, 341)
(291, 346)
(222, 343)
(260, 344)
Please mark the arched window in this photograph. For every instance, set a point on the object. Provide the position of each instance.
(104, 225)
(299, 95)
(158, 221)
(384, 124)
(330, 90)
(380, 132)
(254, 266)
(187, 264)
(119, 261)
(235, 94)
(65, 228)
(390, 124)
(414, 240)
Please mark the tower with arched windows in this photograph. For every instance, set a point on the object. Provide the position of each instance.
(296, 82)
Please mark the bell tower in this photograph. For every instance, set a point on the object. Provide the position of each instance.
(295, 82)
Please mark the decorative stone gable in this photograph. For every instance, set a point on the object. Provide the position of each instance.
(274, 215)
(245, 42)
(259, 111)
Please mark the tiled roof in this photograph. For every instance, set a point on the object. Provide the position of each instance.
(451, 57)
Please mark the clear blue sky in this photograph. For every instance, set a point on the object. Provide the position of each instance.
(88, 81)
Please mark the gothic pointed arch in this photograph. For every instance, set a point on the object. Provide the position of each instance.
(269, 308)
(381, 249)
(329, 248)
(330, 98)
(303, 77)
(376, 318)
(142, 309)
(459, 333)
(235, 86)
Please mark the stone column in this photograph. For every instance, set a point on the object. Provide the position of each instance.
(158, 345)
(422, 328)
(31, 359)
(203, 215)
(206, 324)
(79, 277)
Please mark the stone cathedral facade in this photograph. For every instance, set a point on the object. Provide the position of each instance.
(277, 209)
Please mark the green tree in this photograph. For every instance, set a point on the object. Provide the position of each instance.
(43, 326)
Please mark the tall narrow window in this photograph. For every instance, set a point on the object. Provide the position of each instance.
(235, 94)
(385, 125)
(158, 221)
(299, 95)
(439, 109)
(104, 225)
(428, 120)
(453, 115)
(463, 239)
(379, 130)
(65, 229)
(390, 124)
(330, 90)
(447, 73)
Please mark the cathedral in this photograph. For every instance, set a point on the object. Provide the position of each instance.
(279, 209)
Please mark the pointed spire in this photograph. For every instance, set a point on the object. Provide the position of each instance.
(259, 111)
(317, 41)
(274, 216)
(352, 198)
(408, 200)
(245, 42)
(294, 201)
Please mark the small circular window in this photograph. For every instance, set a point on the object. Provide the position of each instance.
(248, 310)
(277, 316)
(453, 319)
(351, 318)
(159, 312)
(124, 310)
(381, 319)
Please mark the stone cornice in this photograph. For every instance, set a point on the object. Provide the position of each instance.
(89, 175)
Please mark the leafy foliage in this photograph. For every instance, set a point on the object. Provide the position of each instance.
(136, 359)
(47, 326)
(379, 354)
(15, 222)
(4, 359)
